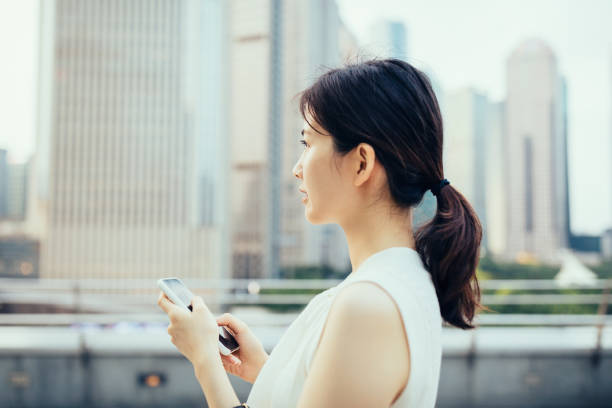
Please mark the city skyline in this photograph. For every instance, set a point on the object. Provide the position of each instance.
(469, 44)
(585, 159)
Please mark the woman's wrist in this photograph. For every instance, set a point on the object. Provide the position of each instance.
(261, 364)
(214, 381)
(204, 361)
(263, 359)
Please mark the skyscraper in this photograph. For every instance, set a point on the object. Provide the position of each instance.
(255, 58)
(496, 198)
(536, 177)
(131, 107)
(347, 44)
(314, 41)
(564, 216)
(16, 196)
(3, 183)
(428, 206)
(465, 147)
(388, 39)
(277, 49)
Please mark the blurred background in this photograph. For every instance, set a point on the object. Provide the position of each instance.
(146, 139)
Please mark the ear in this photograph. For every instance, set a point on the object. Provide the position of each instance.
(364, 159)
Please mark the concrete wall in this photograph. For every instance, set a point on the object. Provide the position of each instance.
(489, 367)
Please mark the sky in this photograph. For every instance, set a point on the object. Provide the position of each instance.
(464, 43)
(19, 49)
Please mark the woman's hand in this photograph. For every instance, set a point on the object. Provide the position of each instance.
(251, 355)
(195, 334)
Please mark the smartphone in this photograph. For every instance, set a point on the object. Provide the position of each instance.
(180, 295)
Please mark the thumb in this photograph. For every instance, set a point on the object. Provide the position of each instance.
(231, 359)
(234, 359)
(197, 303)
(236, 325)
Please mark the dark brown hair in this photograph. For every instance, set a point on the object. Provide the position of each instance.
(390, 105)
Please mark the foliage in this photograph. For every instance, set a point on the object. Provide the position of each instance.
(312, 272)
(488, 268)
(604, 269)
(302, 272)
(504, 270)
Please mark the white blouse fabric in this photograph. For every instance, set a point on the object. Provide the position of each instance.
(400, 272)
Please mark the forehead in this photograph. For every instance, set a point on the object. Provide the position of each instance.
(309, 130)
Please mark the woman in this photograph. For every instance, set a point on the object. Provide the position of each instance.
(373, 147)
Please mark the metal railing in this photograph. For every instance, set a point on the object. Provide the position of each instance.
(133, 299)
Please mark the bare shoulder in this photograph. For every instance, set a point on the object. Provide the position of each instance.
(367, 297)
(362, 358)
(368, 300)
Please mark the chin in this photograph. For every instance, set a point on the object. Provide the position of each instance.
(310, 217)
(315, 219)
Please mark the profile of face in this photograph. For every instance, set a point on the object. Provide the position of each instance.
(335, 186)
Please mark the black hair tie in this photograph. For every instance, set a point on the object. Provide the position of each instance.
(435, 189)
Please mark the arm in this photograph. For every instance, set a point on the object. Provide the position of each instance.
(215, 384)
(195, 334)
(362, 359)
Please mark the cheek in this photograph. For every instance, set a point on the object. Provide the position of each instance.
(314, 173)
(322, 181)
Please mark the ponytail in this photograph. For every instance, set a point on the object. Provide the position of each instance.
(449, 246)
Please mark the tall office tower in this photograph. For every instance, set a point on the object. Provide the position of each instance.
(465, 148)
(255, 29)
(131, 112)
(496, 199)
(314, 41)
(563, 218)
(606, 244)
(277, 49)
(536, 178)
(17, 184)
(347, 44)
(388, 39)
(428, 206)
(3, 183)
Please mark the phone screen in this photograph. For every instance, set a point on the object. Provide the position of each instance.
(180, 290)
(226, 338)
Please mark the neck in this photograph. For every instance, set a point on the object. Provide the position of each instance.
(375, 232)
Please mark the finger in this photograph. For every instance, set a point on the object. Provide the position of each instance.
(165, 303)
(197, 303)
(235, 324)
(230, 359)
(229, 367)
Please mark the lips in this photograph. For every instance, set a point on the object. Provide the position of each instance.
(303, 191)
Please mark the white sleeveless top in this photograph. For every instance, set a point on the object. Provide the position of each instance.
(400, 272)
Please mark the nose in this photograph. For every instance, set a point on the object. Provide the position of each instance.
(297, 170)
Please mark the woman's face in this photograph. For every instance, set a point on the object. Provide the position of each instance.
(324, 178)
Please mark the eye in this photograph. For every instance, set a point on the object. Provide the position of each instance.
(304, 143)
